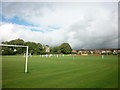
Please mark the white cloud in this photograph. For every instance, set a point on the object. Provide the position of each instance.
(83, 25)
(12, 31)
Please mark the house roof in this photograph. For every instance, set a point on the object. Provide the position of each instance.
(74, 51)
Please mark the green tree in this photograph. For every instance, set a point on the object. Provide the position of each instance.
(10, 50)
(16, 42)
(65, 48)
(7, 51)
(55, 50)
(20, 50)
(39, 49)
(35, 48)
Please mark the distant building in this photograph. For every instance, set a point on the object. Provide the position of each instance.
(47, 48)
(79, 52)
(115, 51)
(103, 51)
(15, 50)
(74, 51)
(91, 51)
(99, 51)
(82, 51)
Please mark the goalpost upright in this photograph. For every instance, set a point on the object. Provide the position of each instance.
(26, 63)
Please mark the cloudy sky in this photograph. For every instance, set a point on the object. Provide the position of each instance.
(81, 24)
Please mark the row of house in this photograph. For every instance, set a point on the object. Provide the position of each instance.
(89, 51)
(96, 51)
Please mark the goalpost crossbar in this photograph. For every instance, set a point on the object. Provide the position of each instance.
(26, 63)
(12, 45)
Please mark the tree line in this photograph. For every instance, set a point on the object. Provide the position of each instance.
(34, 48)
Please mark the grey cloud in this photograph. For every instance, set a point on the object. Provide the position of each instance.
(83, 26)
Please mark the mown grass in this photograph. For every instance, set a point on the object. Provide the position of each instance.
(60, 72)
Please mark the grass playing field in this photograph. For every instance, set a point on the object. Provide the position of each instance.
(60, 72)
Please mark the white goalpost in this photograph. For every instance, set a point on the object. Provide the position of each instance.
(26, 63)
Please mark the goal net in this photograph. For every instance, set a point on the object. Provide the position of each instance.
(26, 62)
